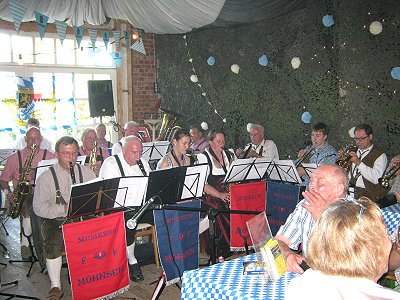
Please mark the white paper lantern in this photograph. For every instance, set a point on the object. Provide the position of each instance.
(248, 127)
(194, 78)
(235, 69)
(204, 125)
(351, 132)
(295, 62)
(375, 27)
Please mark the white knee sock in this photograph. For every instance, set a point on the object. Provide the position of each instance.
(54, 270)
(131, 254)
(26, 225)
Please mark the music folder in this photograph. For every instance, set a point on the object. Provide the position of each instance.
(176, 184)
(283, 171)
(247, 169)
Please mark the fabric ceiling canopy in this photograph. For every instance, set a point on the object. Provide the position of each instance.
(156, 16)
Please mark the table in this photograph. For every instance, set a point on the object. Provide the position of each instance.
(226, 281)
(391, 217)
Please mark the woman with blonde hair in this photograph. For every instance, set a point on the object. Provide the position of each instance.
(348, 252)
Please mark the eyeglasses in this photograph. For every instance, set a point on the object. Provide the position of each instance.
(74, 153)
(361, 138)
(362, 207)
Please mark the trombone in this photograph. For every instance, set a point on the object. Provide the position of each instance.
(384, 181)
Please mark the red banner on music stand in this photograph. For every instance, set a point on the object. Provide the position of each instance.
(96, 255)
(249, 197)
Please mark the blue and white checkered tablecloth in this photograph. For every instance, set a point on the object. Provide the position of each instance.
(226, 281)
(391, 217)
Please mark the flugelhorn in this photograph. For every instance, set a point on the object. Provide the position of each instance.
(384, 181)
(344, 158)
(305, 156)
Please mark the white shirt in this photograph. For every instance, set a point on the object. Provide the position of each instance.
(45, 144)
(117, 148)
(269, 149)
(110, 169)
(315, 285)
(371, 174)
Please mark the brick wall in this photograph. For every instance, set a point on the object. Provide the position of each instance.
(144, 99)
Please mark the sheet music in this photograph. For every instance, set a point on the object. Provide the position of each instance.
(247, 169)
(155, 150)
(284, 171)
(131, 191)
(309, 168)
(194, 181)
(81, 159)
(4, 154)
(43, 166)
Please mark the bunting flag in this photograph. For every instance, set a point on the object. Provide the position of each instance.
(62, 30)
(138, 46)
(93, 37)
(78, 31)
(106, 37)
(117, 37)
(127, 37)
(96, 255)
(248, 197)
(17, 12)
(41, 21)
(117, 58)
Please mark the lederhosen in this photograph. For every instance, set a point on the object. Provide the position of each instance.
(146, 218)
(372, 191)
(27, 204)
(222, 220)
(53, 242)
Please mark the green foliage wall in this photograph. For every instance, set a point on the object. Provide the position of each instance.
(344, 77)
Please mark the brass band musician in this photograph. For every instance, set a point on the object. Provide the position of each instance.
(393, 196)
(101, 131)
(368, 165)
(198, 141)
(11, 173)
(259, 146)
(130, 128)
(52, 207)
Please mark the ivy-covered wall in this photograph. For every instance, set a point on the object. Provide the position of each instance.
(344, 77)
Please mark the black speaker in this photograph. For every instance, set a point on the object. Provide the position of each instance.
(101, 100)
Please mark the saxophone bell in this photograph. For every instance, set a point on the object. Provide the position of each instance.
(93, 156)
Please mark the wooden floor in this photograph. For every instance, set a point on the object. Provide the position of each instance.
(38, 285)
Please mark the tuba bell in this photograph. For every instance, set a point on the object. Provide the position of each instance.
(168, 125)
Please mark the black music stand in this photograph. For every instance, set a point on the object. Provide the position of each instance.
(154, 151)
(248, 169)
(283, 171)
(309, 168)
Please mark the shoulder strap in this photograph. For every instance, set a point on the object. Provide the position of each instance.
(209, 161)
(108, 144)
(59, 197)
(121, 170)
(19, 160)
(101, 154)
(120, 144)
(44, 154)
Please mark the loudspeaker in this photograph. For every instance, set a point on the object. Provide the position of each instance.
(101, 100)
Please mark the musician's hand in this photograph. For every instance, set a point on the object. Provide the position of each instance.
(293, 262)
(253, 153)
(301, 154)
(398, 196)
(239, 152)
(301, 171)
(225, 197)
(316, 205)
(395, 161)
(354, 158)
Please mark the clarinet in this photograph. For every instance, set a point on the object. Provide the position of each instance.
(72, 172)
(141, 167)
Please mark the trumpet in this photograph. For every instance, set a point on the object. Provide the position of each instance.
(384, 181)
(305, 157)
(344, 158)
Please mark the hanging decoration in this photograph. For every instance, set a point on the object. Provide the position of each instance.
(106, 38)
(235, 68)
(41, 21)
(61, 30)
(328, 21)
(204, 126)
(93, 37)
(375, 27)
(17, 12)
(139, 46)
(211, 61)
(117, 37)
(78, 31)
(351, 132)
(248, 127)
(263, 60)
(306, 117)
(117, 58)
(395, 73)
(295, 62)
(194, 78)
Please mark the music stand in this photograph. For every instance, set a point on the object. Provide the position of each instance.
(4, 154)
(154, 151)
(309, 168)
(283, 171)
(248, 169)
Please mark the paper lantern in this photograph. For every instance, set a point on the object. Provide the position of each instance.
(194, 78)
(306, 117)
(263, 60)
(204, 126)
(395, 73)
(328, 21)
(211, 61)
(375, 27)
(249, 127)
(235, 69)
(351, 132)
(295, 62)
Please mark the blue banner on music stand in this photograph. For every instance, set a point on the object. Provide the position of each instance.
(281, 201)
(178, 231)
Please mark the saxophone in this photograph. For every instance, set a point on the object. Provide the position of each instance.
(23, 188)
(93, 157)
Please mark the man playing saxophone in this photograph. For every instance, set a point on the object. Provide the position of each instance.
(50, 202)
(17, 164)
(320, 152)
(94, 155)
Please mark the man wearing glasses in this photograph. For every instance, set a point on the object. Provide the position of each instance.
(368, 165)
(50, 202)
(129, 162)
(11, 173)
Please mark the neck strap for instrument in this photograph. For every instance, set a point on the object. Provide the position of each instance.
(121, 170)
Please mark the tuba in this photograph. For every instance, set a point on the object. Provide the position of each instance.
(168, 125)
(93, 156)
(344, 158)
(384, 181)
(23, 188)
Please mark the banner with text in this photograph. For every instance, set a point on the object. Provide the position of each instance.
(178, 239)
(96, 255)
(281, 201)
(249, 197)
